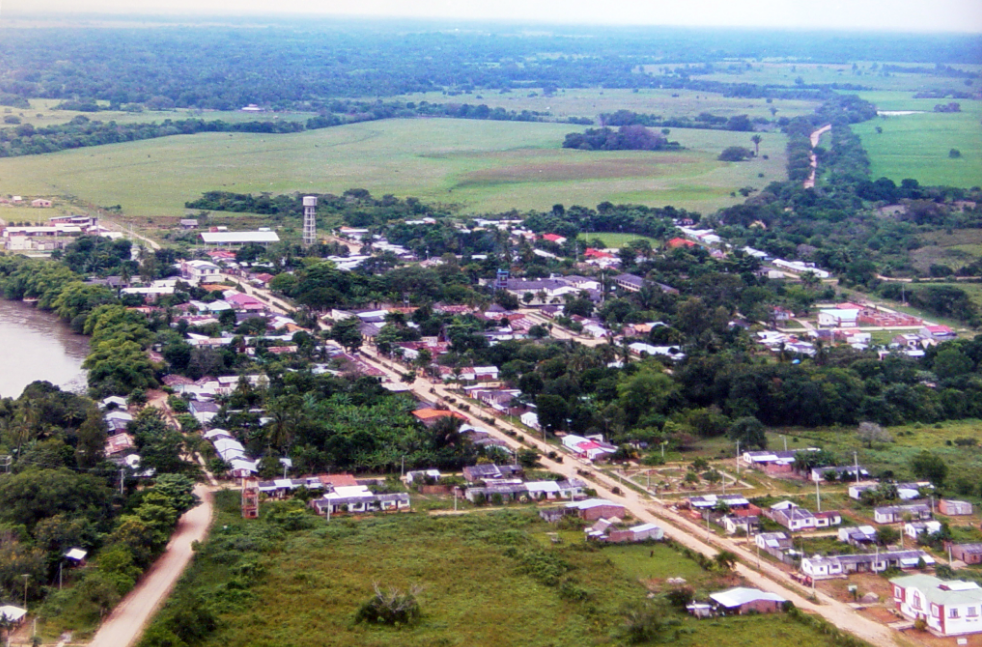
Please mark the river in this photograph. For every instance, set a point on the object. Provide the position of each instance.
(36, 345)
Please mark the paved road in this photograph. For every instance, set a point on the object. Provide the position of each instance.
(128, 620)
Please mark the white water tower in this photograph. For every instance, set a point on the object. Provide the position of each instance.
(309, 220)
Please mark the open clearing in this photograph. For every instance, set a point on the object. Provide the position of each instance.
(475, 590)
(616, 240)
(483, 166)
(591, 102)
(917, 146)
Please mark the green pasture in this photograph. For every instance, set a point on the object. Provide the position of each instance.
(297, 587)
(917, 146)
(786, 73)
(43, 113)
(591, 102)
(482, 166)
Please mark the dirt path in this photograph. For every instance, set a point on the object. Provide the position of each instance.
(128, 620)
(152, 244)
(815, 137)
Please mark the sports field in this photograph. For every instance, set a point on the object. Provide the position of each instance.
(483, 166)
(917, 145)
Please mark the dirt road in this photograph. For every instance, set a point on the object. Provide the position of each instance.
(815, 137)
(128, 620)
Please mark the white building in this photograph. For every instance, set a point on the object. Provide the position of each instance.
(838, 318)
(949, 608)
(198, 272)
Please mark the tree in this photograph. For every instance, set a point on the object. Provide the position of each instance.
(725, 560)
(870, 432)
(552, 411)
(886, 536)
(749, 431)
(347, 332)
(756, 139)
(734, 154)
(929, 466)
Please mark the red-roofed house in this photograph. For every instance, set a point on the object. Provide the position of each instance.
(938, 332)
(680, 242)
(554, 238)
(429, 417)
(597, 253)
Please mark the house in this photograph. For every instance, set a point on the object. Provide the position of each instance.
(594, 509)
(554, 238)
(859, 536)
(503, 490)
(189, 223)
(968, 553)
(915, 529)
(359, 499)
(41, 203)
(836, 318)
(827, 519)
(742, 600)
(748, 525)
(954, 508)
(675, 243)
(629, 282)
(490, 471)
(239, 238)
(586, 448)
(791, 516)
(200, 271)
(204, 412)
(429, 417)
(773, 540)
(772, 462)
(732, 501)
(896, 513)
(530, 419)
(119, 443)
(819, 567)
(948, 607)
(940, 333)
(818, 474)
(422, 476)
(645, 531)
(10, 613)
(798, 267)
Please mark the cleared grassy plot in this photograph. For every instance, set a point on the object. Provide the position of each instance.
(917, 146)
(479, 165)
(306, 588)
(591, 102)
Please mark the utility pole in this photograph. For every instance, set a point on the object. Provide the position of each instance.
(402, 470)
(818, 496)
(785, 442)
(738, 459)
(855, 458)
(26, 577)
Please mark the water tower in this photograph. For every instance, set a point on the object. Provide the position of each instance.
(309, 220)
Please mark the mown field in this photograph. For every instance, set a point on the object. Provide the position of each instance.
(617, 240)
(483, 581)
(591, 102)
(480, 165)
(917, 146)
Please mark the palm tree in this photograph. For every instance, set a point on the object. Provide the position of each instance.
(756, 139)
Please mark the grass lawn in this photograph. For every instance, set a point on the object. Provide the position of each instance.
(271, 585)
(480, 165)
(917, 146)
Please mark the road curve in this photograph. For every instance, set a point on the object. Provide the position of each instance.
(126, 623)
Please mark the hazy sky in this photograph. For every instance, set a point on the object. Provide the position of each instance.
(894, 15)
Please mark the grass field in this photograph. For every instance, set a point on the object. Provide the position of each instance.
(302, 587)
(964, 463)
(480, 165)
(42, 113)
(591, 102)
(785, 73)
(916, 146)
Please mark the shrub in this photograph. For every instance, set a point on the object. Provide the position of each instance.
(392, 607)
(735, 154)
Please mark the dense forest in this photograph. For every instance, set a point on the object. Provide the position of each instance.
(289, 65)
